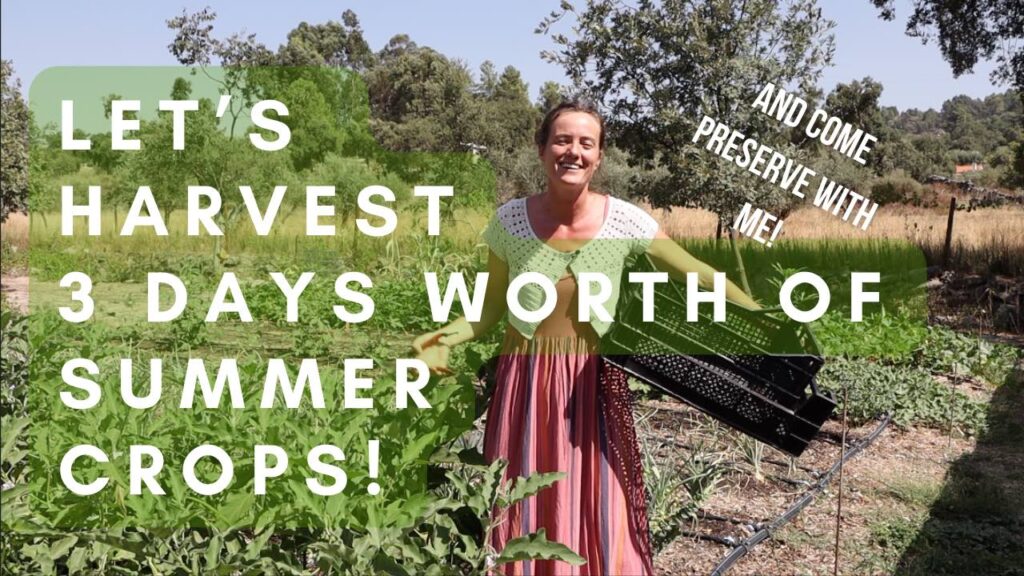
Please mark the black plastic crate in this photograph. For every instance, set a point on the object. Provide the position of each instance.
(754, 372)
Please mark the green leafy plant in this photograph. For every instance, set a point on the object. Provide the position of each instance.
(893, 336)
(702, 471)
(669, 503)
(911, 395)
(423, 533)
(189, 329)
(945, 351)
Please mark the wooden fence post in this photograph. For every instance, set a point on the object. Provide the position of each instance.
(949, 234)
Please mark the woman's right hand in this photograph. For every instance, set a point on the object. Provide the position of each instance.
(433, 351)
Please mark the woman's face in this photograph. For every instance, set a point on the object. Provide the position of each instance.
(572, 153)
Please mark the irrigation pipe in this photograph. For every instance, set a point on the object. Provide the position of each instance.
(724, 541)
(764, 533)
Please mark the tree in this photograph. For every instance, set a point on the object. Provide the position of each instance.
(314, 69)
(14, 132)
(181, 90)
(551, 94)
(334, 44)
(419, 99)
(505, 120)
(511, 86)
(194, 45)
(314, 130)
(659, 67)
(210, 158)
(488, 80)
(969, 31)
(502, 123)
(1015, 176)
(856, 102)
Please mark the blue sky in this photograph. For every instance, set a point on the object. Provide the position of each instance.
(40, 34)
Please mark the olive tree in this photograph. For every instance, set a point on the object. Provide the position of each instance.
(659, 66)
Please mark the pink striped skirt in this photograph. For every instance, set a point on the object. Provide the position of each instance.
(557, 407)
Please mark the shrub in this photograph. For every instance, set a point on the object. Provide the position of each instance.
(896, 188)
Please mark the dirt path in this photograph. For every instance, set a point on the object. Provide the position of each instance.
(15, 292)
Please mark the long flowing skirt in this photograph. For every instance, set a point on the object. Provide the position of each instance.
(557, 407)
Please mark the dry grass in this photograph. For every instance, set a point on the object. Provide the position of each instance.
(14, 231)
(14, 245)
(686, 222)
(463, 227)
(987, 240)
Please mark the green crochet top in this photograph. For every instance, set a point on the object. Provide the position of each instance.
(627, 231)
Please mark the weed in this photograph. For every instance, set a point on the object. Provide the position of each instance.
(894, 536)
(945, 351)
(189, 329)
(917, 493)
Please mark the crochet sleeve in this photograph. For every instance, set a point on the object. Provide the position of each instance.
(495, 237)
(645, 227)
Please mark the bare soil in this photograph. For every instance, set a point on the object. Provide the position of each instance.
(916, 501)
(14, 290)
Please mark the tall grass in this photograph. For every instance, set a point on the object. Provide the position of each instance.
(408, 250)
(985, 241)
(14, 244)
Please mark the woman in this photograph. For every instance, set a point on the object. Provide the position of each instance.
(556, 406)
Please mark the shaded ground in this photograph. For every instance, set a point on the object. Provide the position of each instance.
(989, 306)
(976, 526)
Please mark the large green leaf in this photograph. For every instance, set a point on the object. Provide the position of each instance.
(536, 546)
(525, 487)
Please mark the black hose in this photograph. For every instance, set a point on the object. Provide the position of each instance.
(764, 533)
(724, 541)
(757, 524)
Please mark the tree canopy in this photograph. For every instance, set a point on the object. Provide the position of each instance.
(656, 67)
(659, 67)
(14, 133)
(968, 31)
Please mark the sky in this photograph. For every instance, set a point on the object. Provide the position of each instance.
(39, 34)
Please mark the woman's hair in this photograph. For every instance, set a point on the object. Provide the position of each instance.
(544, 132)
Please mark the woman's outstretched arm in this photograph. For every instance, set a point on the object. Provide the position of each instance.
(433, 347)
(671, 258)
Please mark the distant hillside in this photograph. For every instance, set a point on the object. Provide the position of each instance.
(971, 124)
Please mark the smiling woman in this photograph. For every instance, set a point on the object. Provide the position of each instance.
(556, 405)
